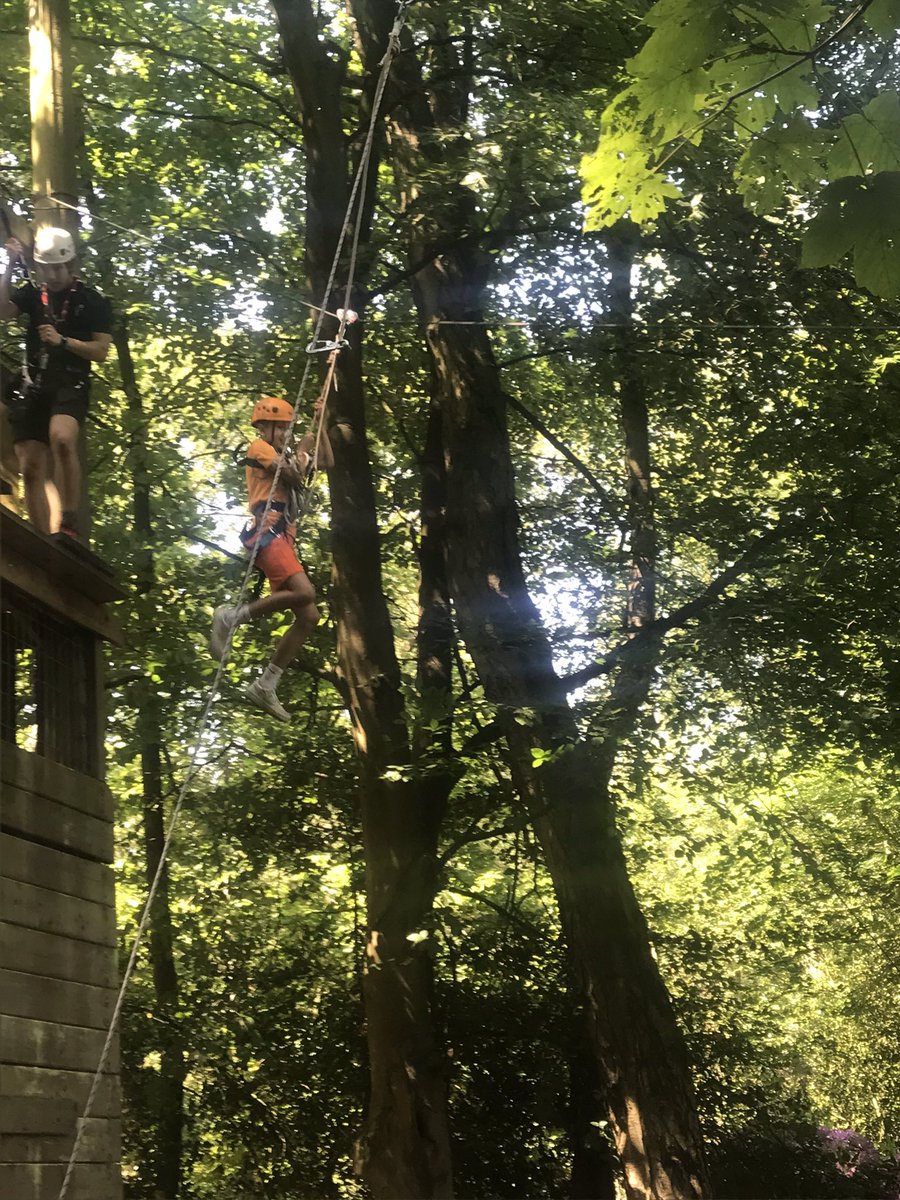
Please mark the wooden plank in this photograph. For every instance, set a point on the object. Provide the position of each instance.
(24, 995)
(57, 556)
(37, 1114)
(102, 704)
(49, 912)
(56, 825)
(33, 581)
(43, 866)
(100, 1143)
(42, 777)
(28, 1043)
(57, 957)
(45, 1083)
(42, 1181)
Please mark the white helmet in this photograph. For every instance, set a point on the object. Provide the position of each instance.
(53, 245)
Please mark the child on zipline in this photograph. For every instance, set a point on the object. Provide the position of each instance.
(289, 585)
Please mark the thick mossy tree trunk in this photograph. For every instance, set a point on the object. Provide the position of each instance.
(631, 1022)
(169, 1108)
(404, 1148)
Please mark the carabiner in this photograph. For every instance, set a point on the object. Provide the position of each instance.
(326, 345)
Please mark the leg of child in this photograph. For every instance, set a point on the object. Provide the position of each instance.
(296, 593)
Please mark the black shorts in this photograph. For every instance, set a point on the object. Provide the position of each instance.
(30, 409)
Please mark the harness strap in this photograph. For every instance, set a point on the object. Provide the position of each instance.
(260, 538)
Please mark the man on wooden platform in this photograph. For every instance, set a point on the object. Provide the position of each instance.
(69, 327)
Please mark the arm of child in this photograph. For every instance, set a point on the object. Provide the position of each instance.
(264, 457)
(307, 447)
(292, 472)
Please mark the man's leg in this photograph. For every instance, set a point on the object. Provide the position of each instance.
(67, 468)
(34, 460)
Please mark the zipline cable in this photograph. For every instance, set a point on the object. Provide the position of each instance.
(391, 52)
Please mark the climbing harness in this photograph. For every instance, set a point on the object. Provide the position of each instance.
(257, 538)
(317, 426)
(54, 320)
(50, 316)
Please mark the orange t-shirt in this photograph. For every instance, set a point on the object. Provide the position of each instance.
(260, 481)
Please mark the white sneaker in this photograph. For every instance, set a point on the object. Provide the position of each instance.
(221, 629)
(266, 699)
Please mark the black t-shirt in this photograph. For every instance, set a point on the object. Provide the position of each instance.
(78, 312)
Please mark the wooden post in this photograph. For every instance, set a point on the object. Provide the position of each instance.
(54, 137)
(53, 124)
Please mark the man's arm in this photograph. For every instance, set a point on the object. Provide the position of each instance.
(8, 310)
(95, 350)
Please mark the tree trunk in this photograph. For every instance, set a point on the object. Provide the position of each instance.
(593, 1160)
(435, 638)
(632, 683)
(632, 1024)
(169, 1115)
(404, 1148)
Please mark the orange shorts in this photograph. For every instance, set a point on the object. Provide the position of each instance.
(278, 562)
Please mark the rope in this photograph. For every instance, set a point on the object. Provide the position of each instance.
(393, 49)
(158, 243)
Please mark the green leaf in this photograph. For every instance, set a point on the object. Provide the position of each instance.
(792, 26)
(884, 17)
(831, 233)
(619, 183)
(868, 142)
(862, 216)
(876, 263)
(787, 153)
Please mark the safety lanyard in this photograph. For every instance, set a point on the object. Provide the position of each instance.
(64, 312)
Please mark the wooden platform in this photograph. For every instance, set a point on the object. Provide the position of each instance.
(58, 979)
(62, 575)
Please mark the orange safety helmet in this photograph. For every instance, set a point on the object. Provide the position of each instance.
(272, 408)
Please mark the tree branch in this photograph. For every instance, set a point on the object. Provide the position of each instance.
(522, 922)
(806, 56)
(688, 611)
(536, 423)
(175, 114)
(231, 80)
